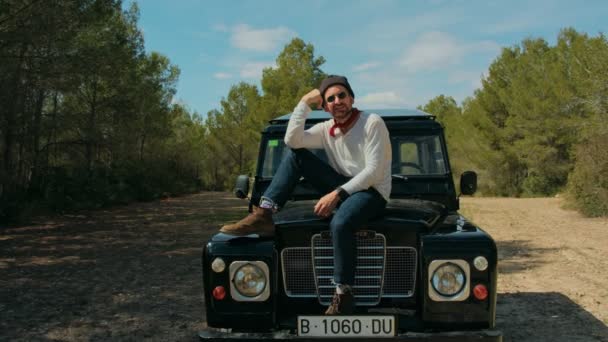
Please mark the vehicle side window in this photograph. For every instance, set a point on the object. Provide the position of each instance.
(438, 165)
(418, 155)
(409, 157)
(272, 157)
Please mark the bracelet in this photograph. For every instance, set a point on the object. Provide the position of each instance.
(342, 193)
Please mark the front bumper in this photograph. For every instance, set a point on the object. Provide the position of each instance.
(223, 335)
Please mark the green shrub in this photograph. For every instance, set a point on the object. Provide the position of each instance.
(588, 183)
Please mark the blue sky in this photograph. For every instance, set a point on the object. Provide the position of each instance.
(396, 53)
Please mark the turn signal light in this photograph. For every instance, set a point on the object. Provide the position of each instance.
(480, 292)
(219, 293)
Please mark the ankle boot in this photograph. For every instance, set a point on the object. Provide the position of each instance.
(342, 304)
(259, 221)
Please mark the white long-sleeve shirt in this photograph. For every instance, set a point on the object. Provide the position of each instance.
(363, 153)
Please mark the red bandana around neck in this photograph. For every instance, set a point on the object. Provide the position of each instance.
(353, 116)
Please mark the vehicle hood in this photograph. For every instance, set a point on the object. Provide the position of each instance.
(408, 210)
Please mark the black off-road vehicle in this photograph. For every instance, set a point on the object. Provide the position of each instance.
(423, 272)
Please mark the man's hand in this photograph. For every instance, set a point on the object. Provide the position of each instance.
(313, 98)
(327, 204)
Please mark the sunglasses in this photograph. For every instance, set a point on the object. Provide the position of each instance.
(332, 98)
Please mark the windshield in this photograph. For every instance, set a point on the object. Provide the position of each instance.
(415, 155)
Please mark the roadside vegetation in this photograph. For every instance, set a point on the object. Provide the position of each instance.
(86, 114)
(537, 126)
(87, 117)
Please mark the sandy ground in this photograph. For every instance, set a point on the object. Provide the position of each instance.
(553, 268)
(133, 273)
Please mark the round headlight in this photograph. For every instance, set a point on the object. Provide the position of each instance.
(481, 263)
(249, 280)
(448, 279)
(218, 265)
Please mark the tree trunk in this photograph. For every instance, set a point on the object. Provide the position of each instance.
(141, 147)
(240, 159)
(90, 139)
(53, 133)
(11, 123)
(35, 181)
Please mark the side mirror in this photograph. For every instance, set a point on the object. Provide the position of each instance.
(468, 183)
(242, 186)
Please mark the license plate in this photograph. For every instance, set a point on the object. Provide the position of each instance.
(346, 326)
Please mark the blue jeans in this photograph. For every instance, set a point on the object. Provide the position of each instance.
(352, 214)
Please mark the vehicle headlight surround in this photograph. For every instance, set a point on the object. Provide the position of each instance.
(449, 280)
(249, 281)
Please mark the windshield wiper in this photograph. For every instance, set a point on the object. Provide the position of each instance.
(402, 177)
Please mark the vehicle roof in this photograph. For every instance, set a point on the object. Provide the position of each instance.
(386, 114)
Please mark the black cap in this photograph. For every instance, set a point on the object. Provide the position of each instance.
(333, 80)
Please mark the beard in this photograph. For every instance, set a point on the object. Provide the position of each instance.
(341, 112)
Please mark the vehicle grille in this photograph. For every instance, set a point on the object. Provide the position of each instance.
(388, 272)
(298, 279)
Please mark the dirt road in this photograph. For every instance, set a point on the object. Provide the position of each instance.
(552, 283)
(133, 273)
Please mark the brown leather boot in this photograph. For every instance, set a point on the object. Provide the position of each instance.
(259, 221)
(342, 304)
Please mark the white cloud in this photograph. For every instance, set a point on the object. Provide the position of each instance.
(430, 51)
(222, 75)
(381, 100)
(366, 66)
(254, 69)
(387, 36)
(437, 50)
(247, 38)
